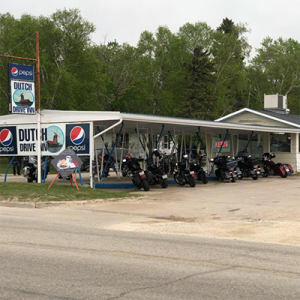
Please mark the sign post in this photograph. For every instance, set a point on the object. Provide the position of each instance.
(28, 102)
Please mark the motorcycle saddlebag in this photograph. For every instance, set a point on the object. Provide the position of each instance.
(279, 170)
(290, 167)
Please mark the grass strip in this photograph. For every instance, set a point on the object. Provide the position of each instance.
(39, 192)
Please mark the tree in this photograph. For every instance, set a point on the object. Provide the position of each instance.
(275, 69)
(69, 70)
(230, 49)
(200, 101)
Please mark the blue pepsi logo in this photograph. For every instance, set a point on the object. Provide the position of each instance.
(77, 135)
(14, 71)
(6, 137)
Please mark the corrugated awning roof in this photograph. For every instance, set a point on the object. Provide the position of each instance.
(133, 121)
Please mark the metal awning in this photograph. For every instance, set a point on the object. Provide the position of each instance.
(132, 121)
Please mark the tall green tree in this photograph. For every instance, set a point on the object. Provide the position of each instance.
(230, 49)
(275, 69)
(200, 101)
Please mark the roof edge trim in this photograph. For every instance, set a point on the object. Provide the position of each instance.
(257, 113)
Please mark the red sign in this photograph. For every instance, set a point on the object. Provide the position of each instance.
(219, 144)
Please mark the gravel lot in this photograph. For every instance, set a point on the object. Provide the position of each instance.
(266, 210)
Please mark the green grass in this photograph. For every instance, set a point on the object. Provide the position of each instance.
(39, 192)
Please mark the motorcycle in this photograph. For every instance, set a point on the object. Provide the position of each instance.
(270, 168)
(138, 175)
(226, 168)
(31, 170)
(250, 167)
(169, 162)
(105, 159)
(156, 174)
(196, 165)
(184, 174)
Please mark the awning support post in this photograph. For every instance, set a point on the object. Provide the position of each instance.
(194, 142)
(181, 147)
(92, 154)
(104, 145)
(121, 158)
(250, 139)
(8, 168)
(220, 150)
(160, 135)
(81, 183)
(143, 146)
(106, 148)
(173, 140)
(112, 150)
(45, 169)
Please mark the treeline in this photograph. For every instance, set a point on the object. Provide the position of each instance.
(197, 72)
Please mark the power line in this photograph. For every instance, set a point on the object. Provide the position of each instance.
(9, 51)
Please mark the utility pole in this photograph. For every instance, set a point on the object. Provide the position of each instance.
(38, 102)
(38, 97)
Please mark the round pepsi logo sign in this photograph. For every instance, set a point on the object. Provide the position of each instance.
(6, 137)
(14, 71)
(77, 135)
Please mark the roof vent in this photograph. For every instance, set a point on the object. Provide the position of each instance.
(276, 103)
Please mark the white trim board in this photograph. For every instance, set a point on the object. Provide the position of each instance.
(257, 113)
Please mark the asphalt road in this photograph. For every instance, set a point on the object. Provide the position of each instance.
(56, 254)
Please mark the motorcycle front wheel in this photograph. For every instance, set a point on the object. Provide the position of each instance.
(29, 179)
(178, 179)
(255, 177)
(233, 179)
(204, 178)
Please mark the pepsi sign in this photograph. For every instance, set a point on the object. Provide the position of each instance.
(8, 141)
(78, 138)
(21, 72)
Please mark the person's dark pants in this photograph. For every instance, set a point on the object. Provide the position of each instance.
(16, 167)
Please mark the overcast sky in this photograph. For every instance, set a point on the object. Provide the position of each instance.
(124, 20)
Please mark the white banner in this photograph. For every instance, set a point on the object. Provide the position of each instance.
(22, 97)
(53, 139)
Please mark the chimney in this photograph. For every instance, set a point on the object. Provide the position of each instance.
(276, 103)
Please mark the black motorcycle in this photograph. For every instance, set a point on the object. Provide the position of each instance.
(31, 169)
(250, 167)
(184, 174)
(135, 171)
(156, 173)
(226, 168)
(196, 165)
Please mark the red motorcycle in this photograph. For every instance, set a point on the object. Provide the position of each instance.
(106, 156)
(270, 168)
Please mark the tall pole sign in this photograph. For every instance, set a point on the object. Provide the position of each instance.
(22, 94)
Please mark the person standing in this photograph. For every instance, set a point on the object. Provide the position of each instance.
(17, 165)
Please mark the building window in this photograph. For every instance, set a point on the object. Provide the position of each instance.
(219, 144)
(256, 145)
(243, 146)
(280, 142)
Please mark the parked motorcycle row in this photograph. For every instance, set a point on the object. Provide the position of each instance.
(245, 166)
(187, 171)
(190, 169)
(160, 166)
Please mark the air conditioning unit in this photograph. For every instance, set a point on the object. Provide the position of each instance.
(275, 102)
